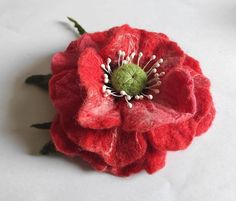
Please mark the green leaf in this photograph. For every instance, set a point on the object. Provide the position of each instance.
(45, 125)
(48, 149)
(77, 26)
(40, 81)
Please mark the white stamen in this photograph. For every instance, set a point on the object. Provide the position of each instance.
(119, 55)
(129, 97)
(128, 59)
(106, 80)
(128, 103)
(104, 87)
(160, 61)
(154, 85)
(153, 57)
(105, 76)
(108, 65)
(132, 57)
(141, 97)
(156, 91)
(123, 93)
(149, 96)
(162, 74)
(104, 67)
(124, 62)
(137, 97)
(116, 95)
(155, 79)
(139, 57)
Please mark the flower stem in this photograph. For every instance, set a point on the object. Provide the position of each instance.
(77, 26)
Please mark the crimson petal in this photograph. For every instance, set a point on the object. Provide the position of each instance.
(146, 115)
(177, 91)
(97, 112)
(60, 140)
(154, 160)
(122, 38)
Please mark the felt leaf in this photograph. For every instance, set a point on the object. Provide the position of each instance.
(40, 81)
(45, 125)
(77, 26)
(48, 148)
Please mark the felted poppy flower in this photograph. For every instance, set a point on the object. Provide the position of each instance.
(126, 96)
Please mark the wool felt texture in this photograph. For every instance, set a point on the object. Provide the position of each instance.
(106, 133)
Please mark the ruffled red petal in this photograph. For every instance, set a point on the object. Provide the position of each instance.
(68, 60)
(78, 46)
(66, 93)
(122, 38)
(61, 141)
(146, 115)
(154, 160)
(116, 147)
(172, 54)
(149, 44)
(178, 88)
(206, 121)
(133, 168)
(192, 64)
(175, 136)
(97, 112)
(63, 61)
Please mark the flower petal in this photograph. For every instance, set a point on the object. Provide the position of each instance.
(94, 160)
(191, 63)
(60, 140)
(97, 112)
(172, 54)
(66, 93)
(149, 44)
(173, 137)
(68, 60)
(154, 160)
(128, 148)
(116, 147)
(78, 46)
(177, 91)
(206, 122)
(146, 115)
(133, 168)
(205, 108)
(122, 38)
(63, 61)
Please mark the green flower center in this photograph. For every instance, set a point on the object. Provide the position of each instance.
(129, 78)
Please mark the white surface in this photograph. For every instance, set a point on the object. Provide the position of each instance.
(31, 31)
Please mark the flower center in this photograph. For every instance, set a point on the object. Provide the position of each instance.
(129, 78)
(131, 81)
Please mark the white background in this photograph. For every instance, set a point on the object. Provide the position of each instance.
(31, 31)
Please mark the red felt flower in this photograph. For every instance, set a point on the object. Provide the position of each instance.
(117, 132)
